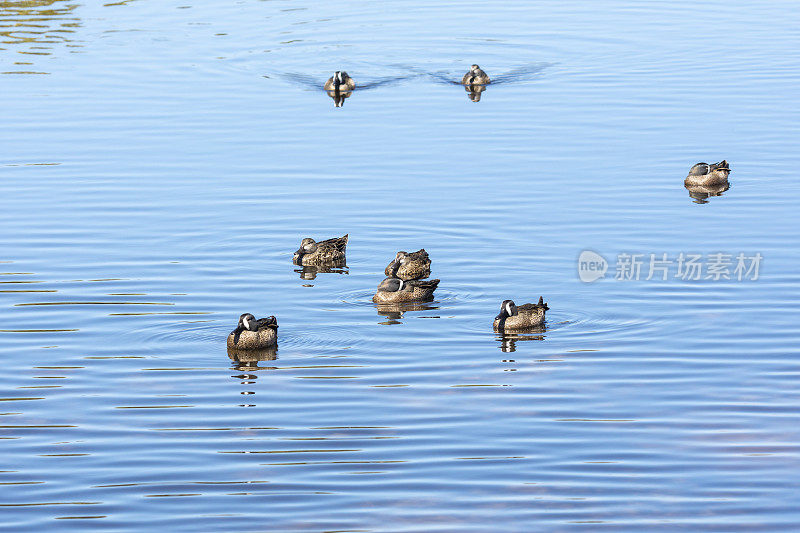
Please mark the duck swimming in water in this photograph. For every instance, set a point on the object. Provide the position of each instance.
(340, 82)
(708, 174)
(516, 318)
(395, 290)
(407, 266)
(475, 76)
(328, 252)
(254, 333)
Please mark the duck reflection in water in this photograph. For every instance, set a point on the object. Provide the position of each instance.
(701, 193)
(248, 359)
(310, 272)
(339, 97)
(508, 341)
(394, 312)
(474, 92)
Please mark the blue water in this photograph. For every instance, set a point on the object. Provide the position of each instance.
(160, 162)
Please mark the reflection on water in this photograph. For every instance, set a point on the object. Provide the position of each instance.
(474, 92)
(339, 97)
(249, 359)
(31, 27)
(395, 312)
(310, 272)
(508, 341)
(701, 193)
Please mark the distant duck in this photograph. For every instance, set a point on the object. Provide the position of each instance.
(340, 82)
(395, 290)
(475, 76)
(708, 174)
(254, 333)
(407, 266)
(516, 318)
(328, 252)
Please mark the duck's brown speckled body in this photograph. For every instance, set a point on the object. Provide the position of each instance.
(475, 76)
(409, 266)
(254, 334)
(328, 252)
(395, 290)
(707, 174)
(518, 318)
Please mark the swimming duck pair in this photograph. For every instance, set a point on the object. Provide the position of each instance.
(258, 334)
(341, 82)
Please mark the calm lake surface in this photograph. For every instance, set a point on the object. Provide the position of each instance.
(160, 162)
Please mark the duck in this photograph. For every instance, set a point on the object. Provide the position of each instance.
(407, 266)
(708, 174)
(253, 333)
(340, 82)
(516, 318)
(327, 252)
(475, 76)
(396, 290)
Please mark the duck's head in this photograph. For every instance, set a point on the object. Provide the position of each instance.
(507, 308)
(307, 246)
(475, 68)
(722, 166)
(400, 259)
(340, 77)
(392, 285)
(247, 322)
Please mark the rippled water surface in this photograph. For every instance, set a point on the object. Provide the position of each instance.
(160, 162)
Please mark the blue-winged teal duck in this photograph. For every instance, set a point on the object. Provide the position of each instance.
(340, 81)
(408, 266)
(475, 76)
(394, 290)
(328, 252)
(517, 318)
(254, 333)
(708, 174)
